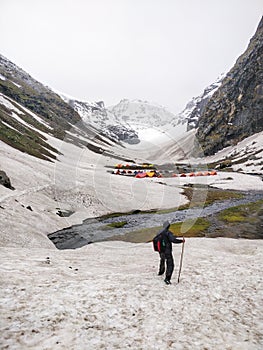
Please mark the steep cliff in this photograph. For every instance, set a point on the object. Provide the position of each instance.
(235, 111)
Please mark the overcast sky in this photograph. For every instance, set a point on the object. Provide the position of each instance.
(165, 51)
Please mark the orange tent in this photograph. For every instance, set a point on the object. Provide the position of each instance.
(182, 175)
(174, 175)
(199, 174)
(213, 172)
(191, 174)
(206, 173)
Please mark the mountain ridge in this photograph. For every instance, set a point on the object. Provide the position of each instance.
(234, 112)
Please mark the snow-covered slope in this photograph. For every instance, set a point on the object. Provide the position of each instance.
(196, 106)
(142, 114)
(175, 137)
(108, 296)
(95, 114)
(245, 157)
(129, 120)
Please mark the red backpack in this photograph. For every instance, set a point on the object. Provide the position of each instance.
(159, 243)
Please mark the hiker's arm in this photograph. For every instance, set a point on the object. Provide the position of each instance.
(173, 239)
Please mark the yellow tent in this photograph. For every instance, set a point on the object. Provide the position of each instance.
(150, 173)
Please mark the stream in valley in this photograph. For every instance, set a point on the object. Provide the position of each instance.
(96, 229)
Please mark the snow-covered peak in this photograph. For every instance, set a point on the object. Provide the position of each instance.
(95, 114)
(141, 114)
(196, 105)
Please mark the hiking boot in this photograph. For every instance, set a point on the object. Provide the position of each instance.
(160, 273)
(167, 281)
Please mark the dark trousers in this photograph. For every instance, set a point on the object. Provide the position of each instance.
(168, 258)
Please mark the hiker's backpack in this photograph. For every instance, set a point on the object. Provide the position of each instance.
(159, 243)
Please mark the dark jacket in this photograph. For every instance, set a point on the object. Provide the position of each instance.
(169, 237)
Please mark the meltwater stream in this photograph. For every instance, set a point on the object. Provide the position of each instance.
(93, 230)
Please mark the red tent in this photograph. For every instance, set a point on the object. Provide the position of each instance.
(141, 175)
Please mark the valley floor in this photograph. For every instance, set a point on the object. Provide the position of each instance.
(108, 296)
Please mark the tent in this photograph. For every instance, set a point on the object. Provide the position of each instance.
(141, 175)
(150, 173)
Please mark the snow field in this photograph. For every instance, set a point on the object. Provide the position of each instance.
(108, 296)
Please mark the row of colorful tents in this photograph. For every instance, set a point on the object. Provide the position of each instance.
(137, 173)
(199, 173)
(153, 173)
(134, 166)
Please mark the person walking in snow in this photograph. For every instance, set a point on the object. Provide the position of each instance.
(167, 255)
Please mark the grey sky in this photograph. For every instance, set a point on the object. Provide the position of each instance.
(166, 51)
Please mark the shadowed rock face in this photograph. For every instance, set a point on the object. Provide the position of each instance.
(235, 111)
(5, 181)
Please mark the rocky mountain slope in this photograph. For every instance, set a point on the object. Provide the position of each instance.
(196, 106)
(95, 114)
(235, 110)
(25, 90)
(30, 111)
(124, 121)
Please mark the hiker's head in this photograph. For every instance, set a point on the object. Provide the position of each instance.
(166, 224)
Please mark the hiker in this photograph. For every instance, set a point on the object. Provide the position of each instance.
(167, 255)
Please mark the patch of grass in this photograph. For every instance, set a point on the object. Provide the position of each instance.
(204, 196)
(167, 211)
(24, 139)
(242, 213)
(243, 221)
(132, 212)
(197, 196)
(114, 225)
(233, 217)
(138, 236)
(188, 228)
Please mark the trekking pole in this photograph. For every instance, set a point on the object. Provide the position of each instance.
(181, 262)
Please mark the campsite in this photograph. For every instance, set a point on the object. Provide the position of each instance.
(141, 171)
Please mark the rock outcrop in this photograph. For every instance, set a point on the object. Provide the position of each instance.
(5, 181)
(235, 110)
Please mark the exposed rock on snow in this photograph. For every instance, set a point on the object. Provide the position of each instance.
(5, 181)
